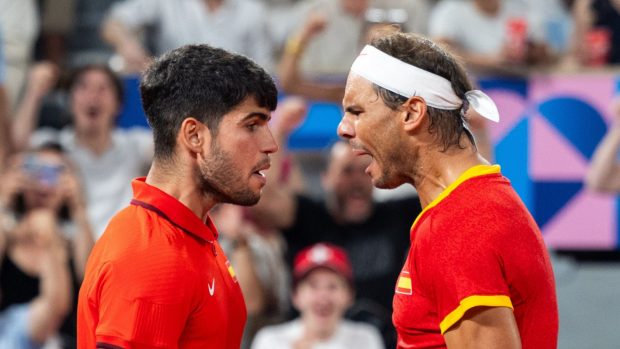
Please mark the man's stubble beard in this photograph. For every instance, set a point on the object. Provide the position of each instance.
(219, 178)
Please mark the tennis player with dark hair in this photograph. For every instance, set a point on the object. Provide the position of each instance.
(478, 274)
(157, 278)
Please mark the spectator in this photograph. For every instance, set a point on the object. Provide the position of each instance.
(42, 196)
(30, 325)
(373, 234)
(235, 25)
(106, 157)
(57, 18)
(596, 39)
(322, 291)
(492, 36)
(316, 58)
(85, 43)
(19, 23)
(604, 172)
(5, 122)
(556, 23)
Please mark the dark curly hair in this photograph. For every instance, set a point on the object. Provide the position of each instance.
(202, 82)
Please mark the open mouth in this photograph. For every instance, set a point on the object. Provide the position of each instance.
(93, 112)
(323, 311)
(259, 171)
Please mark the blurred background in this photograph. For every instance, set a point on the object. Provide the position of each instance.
(73, 135)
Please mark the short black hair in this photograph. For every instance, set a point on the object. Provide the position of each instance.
(117, 84)
(448, 125)
(202, 82)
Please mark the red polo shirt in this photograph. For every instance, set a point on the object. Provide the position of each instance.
(475, 245)
(157, 278)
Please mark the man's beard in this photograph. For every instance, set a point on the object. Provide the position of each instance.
(219, 177)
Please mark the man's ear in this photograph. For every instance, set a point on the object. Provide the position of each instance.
(192, 135)
(414, 113)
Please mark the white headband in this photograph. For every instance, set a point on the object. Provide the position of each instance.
(408, 80)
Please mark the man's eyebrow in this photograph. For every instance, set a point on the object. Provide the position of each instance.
(259, 115)
(352, 109)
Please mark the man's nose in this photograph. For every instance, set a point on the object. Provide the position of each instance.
(269, 145)
(345, 128)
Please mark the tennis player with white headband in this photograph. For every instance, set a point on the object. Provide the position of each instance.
(478, 274)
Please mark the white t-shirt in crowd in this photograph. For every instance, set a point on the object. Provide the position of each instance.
(107, 177)
(461, 22)
(348, 335)
(238, 25)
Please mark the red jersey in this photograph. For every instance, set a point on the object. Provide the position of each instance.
(157, 278)
(475, 245)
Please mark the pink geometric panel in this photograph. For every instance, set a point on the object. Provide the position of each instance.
(511, 108)
(596, 90)
(552, 157)
(588, 221)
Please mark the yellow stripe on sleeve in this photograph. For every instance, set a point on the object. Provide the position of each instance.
(472, 302)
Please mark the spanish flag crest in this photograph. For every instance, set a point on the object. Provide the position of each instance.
(403, 285)
(231, 271)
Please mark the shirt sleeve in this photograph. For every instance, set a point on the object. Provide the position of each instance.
(149, 314)
(461, 265)
(135, 13)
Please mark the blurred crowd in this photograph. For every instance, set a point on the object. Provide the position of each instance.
(66, 167)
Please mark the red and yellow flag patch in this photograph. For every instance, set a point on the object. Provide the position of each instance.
(231, 271)
(403, 285)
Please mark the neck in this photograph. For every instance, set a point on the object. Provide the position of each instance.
(178, 181)
(437, 170)
(96, 142)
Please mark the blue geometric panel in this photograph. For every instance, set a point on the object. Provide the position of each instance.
(520, 86)
(511, 153)
(131, 114)
(550, 197)
(319, 128)
(579, 122)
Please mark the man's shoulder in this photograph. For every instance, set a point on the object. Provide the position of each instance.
(137, 248)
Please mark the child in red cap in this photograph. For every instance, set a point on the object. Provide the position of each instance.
(322, 292)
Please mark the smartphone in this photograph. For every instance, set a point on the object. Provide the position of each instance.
(44, 173)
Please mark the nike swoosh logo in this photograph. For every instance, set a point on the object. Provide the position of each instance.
(211, 287)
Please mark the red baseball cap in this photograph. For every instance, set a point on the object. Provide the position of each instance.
(322, 255)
